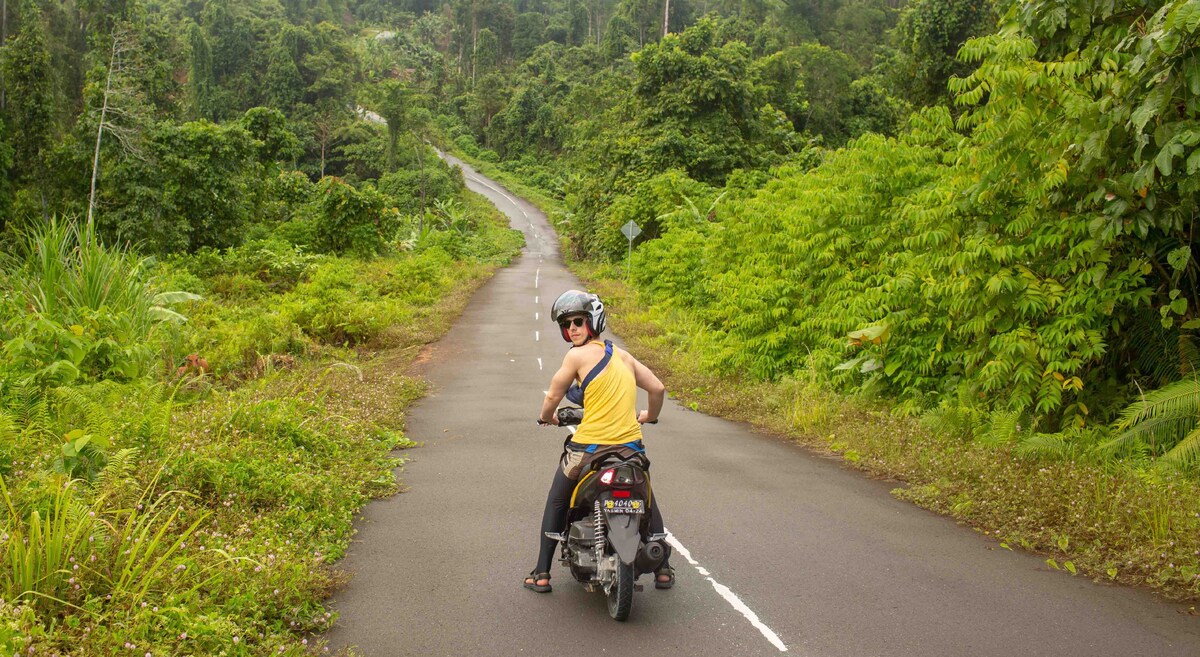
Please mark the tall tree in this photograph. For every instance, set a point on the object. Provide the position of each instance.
(31, 101)
(393, 101)
(285, 86)
(202, 82)
(930, 34)
(122, 109)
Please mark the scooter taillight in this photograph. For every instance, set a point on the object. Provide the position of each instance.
(619, 477)
(621, 493)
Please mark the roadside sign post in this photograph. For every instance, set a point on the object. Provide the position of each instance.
(630, 230)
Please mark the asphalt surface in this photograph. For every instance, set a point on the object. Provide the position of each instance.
(824, 559)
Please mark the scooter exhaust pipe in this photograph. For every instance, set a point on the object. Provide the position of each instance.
(650, 557)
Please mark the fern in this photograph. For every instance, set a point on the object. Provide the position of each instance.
(1045, 446)
(1005, 426)
(1187, 451)
(8, 427)
(96, 418)
(30, 410)
(1181, 398)
(1147, 435)
(116, 480)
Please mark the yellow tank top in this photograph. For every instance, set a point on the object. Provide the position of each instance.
(610, 407)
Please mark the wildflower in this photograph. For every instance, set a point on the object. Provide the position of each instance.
(237, 639)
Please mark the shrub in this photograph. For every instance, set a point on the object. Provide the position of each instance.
(350, 220)
(403, 187)
(94, 309)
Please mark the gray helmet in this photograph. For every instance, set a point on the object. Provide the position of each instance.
(576, 302)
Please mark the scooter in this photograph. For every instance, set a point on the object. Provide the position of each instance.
(607, 544)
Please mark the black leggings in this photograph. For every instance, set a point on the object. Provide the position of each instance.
(554, 518)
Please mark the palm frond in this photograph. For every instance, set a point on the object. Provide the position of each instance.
(1176, 399)
(1149, 435)
(1187, 451)
(1045, 446)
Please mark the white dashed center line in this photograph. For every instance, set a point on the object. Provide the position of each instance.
(537, 336)
(729, 595)
(539, 363)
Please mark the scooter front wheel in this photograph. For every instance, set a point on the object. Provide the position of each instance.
(620, 594)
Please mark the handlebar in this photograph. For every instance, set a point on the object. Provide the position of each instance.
(571, 415)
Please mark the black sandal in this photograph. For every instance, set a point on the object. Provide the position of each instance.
(669, 572)
(534, 586)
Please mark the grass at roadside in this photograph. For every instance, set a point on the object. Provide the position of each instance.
(204, 515)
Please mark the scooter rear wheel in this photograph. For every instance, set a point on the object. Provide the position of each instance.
(620, 595)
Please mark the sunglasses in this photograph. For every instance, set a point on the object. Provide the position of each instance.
(567, 323)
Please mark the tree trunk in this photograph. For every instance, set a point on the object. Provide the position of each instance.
(421, 161)
(666, 16)
(3, 38)
(100, 133)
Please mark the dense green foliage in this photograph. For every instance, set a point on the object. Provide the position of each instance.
(236, 473)
(205, 238)
(995, 233)
(1033, 260)
(1017, 253)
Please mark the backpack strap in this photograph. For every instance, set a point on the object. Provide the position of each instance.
(608, 352)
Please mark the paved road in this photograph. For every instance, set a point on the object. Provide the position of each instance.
(791, 551)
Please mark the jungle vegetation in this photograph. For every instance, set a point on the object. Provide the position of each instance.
(977, 215)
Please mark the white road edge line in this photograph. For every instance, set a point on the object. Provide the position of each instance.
(498, 191)
(729, 595)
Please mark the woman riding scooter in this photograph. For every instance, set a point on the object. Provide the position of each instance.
(608, 377)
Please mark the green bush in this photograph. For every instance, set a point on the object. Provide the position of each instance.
(403, 187)
(82, 311)
(350, 220)
(466, 144)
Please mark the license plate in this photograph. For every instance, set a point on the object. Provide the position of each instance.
(624, 506)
